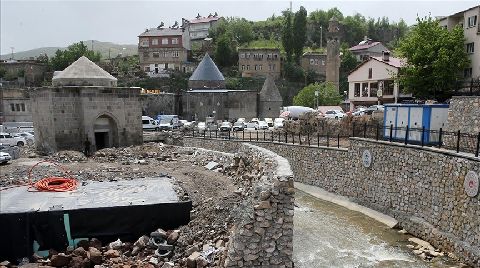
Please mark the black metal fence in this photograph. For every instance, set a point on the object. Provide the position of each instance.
(456, 141)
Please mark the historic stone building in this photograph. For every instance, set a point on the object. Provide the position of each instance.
(259, 62)
(85, 104)
(15, 105)
(333, 52)
(207, 96)
(269, 100)
(314, 61)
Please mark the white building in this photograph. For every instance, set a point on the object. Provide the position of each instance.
(469, 20)
(199, 26)
(367, 48)
(373, 74)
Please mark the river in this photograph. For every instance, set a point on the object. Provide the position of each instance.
(328, 235)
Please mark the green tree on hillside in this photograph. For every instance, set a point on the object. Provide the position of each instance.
(287, 36)
(63, 58)
(299, 33)
(328, 95)
(347, 64)
(223, 51)
(435, 59)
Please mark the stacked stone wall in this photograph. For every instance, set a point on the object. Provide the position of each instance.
(463, 116)
(423, 188)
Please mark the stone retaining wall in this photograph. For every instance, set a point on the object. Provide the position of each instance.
(421, 187)
(262, 235)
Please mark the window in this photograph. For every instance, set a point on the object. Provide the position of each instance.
(144, 43)
(175, 41)
(154, 42)
(356, 92)
(364, 89)
(175, 54)
(273, 67)
(388, 87)
(471, 47)
(242, 55)
(471, 21)
(370, 73)
(247, 55)
(165, 54)
(467, 73)
(260, 67)
(243, 67)
(275, 56)
(22, 105)
(164, 41)
(248, 67)
(312, 62)
(17, 106)
(156, 54)
(255, 67)
(323, 62)
(12, 107)
(146, 68)
(316, 61)
(146, 55)
(373, 89)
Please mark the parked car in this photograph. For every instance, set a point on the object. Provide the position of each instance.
(4, 157)
(252, 125)
(241, 120)
(337, 114)
(359, 112)
(168, 122)
(255, 120)
(278, 123)
(29, 137)
(6, 138)
(269, 121)
(149, 123)
(238, 126)
(262, 125)
(225, 126)
(376, 108)
(201, 127)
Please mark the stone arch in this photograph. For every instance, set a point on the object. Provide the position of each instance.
(105, 131)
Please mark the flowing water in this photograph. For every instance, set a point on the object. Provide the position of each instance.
(328, 235)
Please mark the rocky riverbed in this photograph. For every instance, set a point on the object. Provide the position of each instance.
(209, 180)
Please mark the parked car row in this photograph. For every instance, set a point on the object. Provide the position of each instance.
(241, 124)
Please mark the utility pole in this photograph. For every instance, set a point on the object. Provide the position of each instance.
(321, 37)
(12, 51)
(291, 10)
(92, 45)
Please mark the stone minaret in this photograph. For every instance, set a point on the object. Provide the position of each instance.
(333, 52)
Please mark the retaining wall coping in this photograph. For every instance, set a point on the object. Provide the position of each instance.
(424, 148)
(283, 167)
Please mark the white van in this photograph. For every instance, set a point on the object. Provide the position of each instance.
(149, 123)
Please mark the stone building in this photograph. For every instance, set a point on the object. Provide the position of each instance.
(314, 61)
(269, 99)
(207, 96)
(333, 52)
(30, 72)
(15, 105)
(259, 62)
(161, 49)
(82, 104)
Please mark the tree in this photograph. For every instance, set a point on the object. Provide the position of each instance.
(299, 33)
(347, 64)
(435, 59)
(63, 58)
(328, 95)
(223, 52)
(287, 36)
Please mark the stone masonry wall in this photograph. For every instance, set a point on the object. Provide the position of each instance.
(421, 187)
(262, 235)
(463, 115)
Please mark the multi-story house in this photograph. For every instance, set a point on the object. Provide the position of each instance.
(200, 26)
(469, 21)
(367, 48)
(314, 61)
(373, 76)
(161, 49)
(259, 62)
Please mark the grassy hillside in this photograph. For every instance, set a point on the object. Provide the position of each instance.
(102, 47)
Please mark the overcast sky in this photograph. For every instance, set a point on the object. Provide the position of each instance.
(32, 24)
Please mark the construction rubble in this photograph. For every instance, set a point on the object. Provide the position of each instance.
(214, 183)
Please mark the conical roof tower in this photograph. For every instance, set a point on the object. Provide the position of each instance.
(207, 75)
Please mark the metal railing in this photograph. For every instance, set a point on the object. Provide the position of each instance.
(450, 140)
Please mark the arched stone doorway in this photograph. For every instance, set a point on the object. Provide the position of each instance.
(106, 132)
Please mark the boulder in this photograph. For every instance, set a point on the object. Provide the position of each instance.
(60, 260)
(192, 259)
(173, 237)
(95, 255)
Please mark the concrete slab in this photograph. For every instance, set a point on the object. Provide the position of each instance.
(345, 202)
(92, 194)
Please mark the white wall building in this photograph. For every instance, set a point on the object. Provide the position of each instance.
(469, 20)
(370, 76)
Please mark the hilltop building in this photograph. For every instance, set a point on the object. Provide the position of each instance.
(199, 26)
(469, 21)
(259, 62)
(367, 48)
(161, 49)
(85, 104)
(314, 61)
